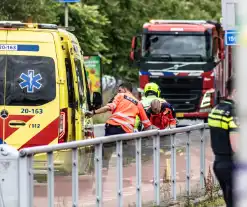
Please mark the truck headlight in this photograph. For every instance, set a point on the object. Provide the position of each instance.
(206, 100)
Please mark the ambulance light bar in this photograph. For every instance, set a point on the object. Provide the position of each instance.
(18, 24)
(10, 22)
(6, 24)
(47, 26)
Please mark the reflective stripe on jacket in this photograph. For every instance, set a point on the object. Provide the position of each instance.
(125, 107)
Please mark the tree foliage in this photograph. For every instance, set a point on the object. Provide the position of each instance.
(107, 26)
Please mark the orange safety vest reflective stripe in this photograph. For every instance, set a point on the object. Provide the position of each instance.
(125, 107)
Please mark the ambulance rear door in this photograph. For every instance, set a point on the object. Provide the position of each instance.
(3, 39)
(76, 84)
(32, 90)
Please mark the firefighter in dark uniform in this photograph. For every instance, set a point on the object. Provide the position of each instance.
(224, 134)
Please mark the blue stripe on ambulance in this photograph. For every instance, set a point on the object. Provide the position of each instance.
(31, 48)
(19, 47)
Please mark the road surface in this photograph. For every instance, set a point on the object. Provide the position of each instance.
(63, 184)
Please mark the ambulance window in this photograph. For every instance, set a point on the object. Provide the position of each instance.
(30, 80)
(79, 79)
(2, 74)
(70, 86)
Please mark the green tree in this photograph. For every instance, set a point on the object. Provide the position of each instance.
(127, 18)
(107, 26)
(89, 26)
(20, 10)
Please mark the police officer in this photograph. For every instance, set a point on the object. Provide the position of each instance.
(223, 129)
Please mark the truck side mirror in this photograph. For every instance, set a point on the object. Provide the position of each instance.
(97, 100)
(135, 52)
(221, 54)
(221, 44)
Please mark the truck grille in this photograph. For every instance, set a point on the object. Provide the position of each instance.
(184, 93)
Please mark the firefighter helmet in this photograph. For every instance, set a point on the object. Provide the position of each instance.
(152, 88)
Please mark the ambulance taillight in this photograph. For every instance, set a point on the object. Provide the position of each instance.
(62, 126)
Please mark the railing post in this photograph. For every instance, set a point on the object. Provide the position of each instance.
(202, 158)
(75, 177)
(156, 158)
(188, 177)
(138, 144)
(26, 181)
(50, 179)
(119, 152)
(98, 174)
(174, 167)
(9, 177)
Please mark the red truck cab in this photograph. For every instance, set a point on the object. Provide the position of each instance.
(186, 58)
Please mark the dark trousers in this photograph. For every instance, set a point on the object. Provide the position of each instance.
(109, 148)
(113, 130)
(223, 170)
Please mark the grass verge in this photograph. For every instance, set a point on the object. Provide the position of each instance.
(210, 203)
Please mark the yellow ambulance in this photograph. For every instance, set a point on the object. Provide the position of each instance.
(43, 86)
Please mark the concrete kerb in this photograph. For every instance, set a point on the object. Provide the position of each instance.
(99, 130)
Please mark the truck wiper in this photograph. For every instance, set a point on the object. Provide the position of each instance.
(162, 70)
(191, 55)
(161, 56)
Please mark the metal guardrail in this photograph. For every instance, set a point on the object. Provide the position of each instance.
(26, 179)
(19, 178)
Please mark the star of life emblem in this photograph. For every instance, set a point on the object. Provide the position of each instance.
(30, 81)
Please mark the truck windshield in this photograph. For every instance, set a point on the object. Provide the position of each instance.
(175, 46)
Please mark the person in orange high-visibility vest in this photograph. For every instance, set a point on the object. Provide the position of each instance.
(125, 107)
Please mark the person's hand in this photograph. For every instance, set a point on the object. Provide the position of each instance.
(151, 127)
(89, 114)
(155, 127)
